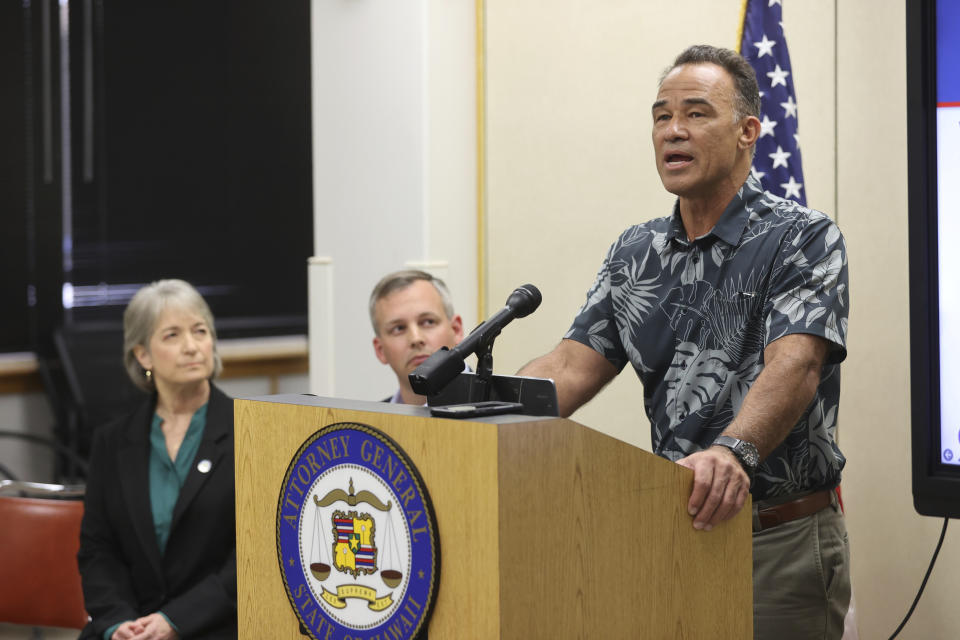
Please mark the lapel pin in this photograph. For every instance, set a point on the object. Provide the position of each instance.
(204, 466)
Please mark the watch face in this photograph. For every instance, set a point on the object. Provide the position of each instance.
(749, 454)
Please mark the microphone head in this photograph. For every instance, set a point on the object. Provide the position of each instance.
(524, 300)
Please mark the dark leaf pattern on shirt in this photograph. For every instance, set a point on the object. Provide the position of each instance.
(693, 318)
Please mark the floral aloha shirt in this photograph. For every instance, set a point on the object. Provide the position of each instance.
(693, 318)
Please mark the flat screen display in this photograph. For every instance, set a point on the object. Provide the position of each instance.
(933, 175)
(948, 223)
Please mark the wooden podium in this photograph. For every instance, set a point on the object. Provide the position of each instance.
(548, 529)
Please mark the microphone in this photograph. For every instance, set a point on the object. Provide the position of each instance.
(446, 364)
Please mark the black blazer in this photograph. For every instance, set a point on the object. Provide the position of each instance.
(123, 573)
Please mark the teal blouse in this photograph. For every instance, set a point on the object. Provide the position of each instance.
(166, 479)
(167, 476)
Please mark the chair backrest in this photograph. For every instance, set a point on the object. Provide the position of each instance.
(39, 578)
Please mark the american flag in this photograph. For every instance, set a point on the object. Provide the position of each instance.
(777, 160)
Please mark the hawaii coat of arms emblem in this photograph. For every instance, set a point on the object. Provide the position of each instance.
(357, 537)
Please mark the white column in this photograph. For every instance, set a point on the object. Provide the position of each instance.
(322, 325)
(394, 156)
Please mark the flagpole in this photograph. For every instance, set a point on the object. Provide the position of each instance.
(743, 18)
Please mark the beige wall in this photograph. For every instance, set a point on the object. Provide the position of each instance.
(569, 166)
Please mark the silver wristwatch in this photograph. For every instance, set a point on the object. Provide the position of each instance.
(745, 452)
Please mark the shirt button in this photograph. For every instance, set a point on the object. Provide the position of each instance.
(683, 416)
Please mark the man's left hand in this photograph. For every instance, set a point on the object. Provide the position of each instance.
(720, 486)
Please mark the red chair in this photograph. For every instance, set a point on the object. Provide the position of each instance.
(39, 578)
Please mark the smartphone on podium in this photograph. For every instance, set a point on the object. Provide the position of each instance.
(476, 409)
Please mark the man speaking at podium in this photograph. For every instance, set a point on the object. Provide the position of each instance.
(412, 316)
(733, 313)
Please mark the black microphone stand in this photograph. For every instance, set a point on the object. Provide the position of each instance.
(485, 369)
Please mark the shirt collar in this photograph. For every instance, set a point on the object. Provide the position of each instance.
(732, 222)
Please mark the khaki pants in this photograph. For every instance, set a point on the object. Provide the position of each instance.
(801, 578)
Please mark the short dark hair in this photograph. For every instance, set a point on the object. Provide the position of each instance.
(401, 280)
(747, 100)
